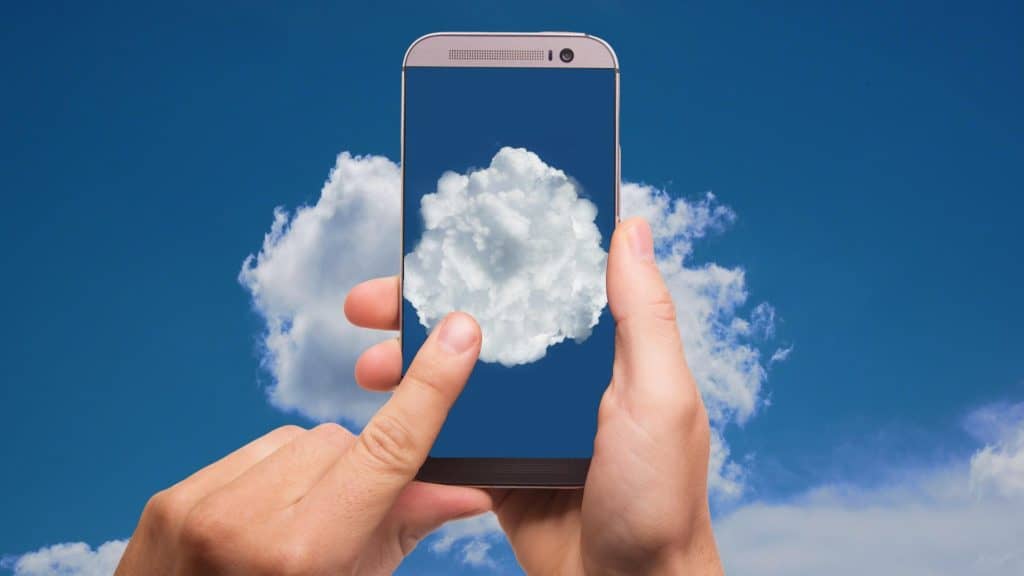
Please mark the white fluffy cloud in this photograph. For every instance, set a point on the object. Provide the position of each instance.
(70, 559)
(998, 468)
(720, 341)
(298, 281)
(516, 246)
(313, 256)
(963, 518)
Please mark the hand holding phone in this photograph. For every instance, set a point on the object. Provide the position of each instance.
(644, 508)
(327, 501)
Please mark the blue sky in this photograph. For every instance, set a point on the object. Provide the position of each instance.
(871, 154)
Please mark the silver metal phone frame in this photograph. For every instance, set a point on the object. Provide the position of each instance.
(484, 36)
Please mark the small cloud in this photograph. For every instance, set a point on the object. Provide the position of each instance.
(475, 553)
(959, 518)
(762, 320)
(471, 537)
(515, 246)
(477, 527)
(69, 559)
(998, 468)
(995, 422)
(780, 355)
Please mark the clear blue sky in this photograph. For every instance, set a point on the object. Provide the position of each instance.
(872, 151)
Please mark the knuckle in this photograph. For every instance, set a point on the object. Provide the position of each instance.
(388, 444)
(657, 317)
(293, 556)
(289, 430)
(332, 436)
(703, 429)
(662, 307)
(687, 402)
(332, 431)
(408, 539)
(205, 530)
(167, 508)
(424, 379)
(611, 405)
(688, 409)
(695, 422)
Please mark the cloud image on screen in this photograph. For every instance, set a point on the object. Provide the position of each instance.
(516, 246)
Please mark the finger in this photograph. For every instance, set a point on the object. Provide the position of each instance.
(283, 477)
(422, 508)
(374, 304)
(380, 366)
(650, 366)
(231, 466)
(216, 475)
(364, 484)
(529, 514)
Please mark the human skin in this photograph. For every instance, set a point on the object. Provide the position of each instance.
(325, 501)
(320, 501)
(644, 508)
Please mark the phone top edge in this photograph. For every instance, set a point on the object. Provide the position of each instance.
(433, 50)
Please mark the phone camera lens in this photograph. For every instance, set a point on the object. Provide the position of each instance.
(566, 55)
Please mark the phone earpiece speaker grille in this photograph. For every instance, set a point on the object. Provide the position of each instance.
(495, 54)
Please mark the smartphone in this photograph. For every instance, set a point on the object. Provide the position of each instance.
(510, 186)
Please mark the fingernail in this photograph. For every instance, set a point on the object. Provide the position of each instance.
(457, 333)
(640, 241)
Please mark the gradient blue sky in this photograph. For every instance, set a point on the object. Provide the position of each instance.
(872, 152)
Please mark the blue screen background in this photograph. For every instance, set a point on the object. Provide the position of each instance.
(457, 119)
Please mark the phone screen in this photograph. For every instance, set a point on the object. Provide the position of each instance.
(509, 206)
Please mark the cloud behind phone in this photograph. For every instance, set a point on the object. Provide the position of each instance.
(310, 259)
(516, 246)
(314, 254)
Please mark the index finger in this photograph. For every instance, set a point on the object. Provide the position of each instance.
(363, 484)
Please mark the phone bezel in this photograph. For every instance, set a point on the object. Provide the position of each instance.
(431, 50)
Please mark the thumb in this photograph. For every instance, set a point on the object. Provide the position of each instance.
(650, 366)
(423, 508)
